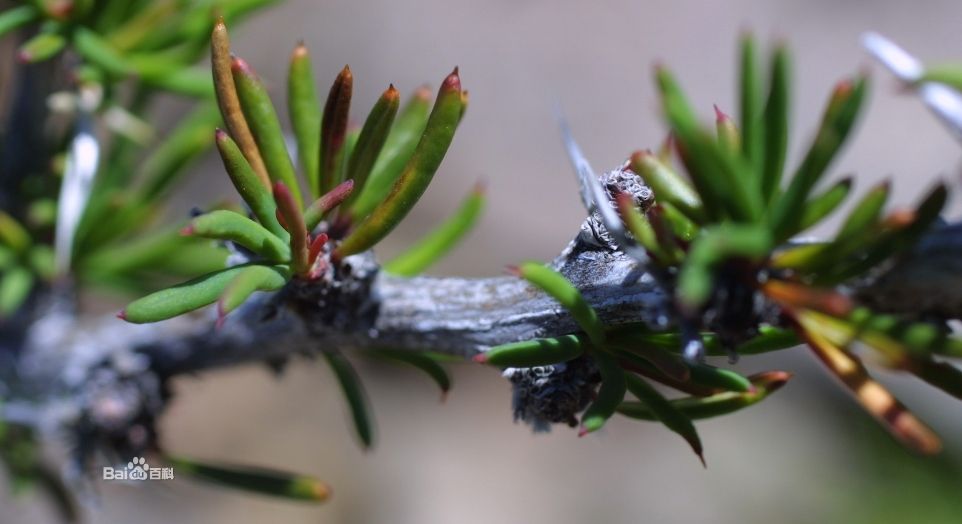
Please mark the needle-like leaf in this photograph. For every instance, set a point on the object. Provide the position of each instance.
(441, 240)
(610, 394)
(257, 480)
(373, 136)
(750, 93)
(234, 227)
(266, 128)
(839, 117)
(423, 362)
(881, 404)
(354, 394)
(229, 103)
(257, 196)
(304, 109)
(776, 120)
(669, 415)
(716, 405)
(334, 129)
(535, 352)
(416, 176)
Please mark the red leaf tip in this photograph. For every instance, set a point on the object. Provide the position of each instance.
(122, 315)
(300, 50)
(480, 358)
(720, 116)
(239, 65)
(639, 155)
(391, 93)
(452, 82)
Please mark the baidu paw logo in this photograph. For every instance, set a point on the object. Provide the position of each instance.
(137, 469)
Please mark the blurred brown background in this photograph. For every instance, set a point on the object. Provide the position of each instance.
(805, 455)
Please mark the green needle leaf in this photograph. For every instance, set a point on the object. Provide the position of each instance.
(696, 408)
(820, 206)
(248, 184)
(776, 119)
(681, 226)
(234, 227)
(373, 136)
(717, 378)
(417, 174)
(420, 361)
(304, 109)
(750, 92)
(16, 17)
(355, 395)
(151, 252)
(191, 82)
(443, 239)
(334, 129)
(139, 25)
(866, 213)
(229, 103)
(400, 145)
(839, 117)
(537, 352)
(560, 289)
(668, 185)
(610, 394)
(667, 413)
(41, 47)
(180, 299)
(256, 480)
(266, 128)
(853, 256)
(99, 52)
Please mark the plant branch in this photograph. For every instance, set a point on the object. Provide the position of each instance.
(100, 378)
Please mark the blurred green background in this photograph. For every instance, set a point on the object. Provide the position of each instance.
(808, 454)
